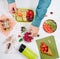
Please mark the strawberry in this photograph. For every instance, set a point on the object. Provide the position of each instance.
(30, 15)
(46, 48)
(43, 47)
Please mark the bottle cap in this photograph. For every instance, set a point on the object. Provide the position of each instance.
(22, 47)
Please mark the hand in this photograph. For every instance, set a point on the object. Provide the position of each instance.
(12, 8)
(34, 30)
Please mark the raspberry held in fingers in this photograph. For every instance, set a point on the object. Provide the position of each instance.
(27, 38)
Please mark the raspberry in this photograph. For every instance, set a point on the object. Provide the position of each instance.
(27, 38)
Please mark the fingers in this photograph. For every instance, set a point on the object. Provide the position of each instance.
(12, 8)
(33, 34)
(30, 29)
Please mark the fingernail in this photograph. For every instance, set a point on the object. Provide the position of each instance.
(13, 10)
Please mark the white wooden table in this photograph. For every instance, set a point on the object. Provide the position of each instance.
(13, 53)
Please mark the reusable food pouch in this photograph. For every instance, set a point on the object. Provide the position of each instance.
(52, 48)
(6, 24)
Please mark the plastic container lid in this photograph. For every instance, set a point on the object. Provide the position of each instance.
(22, 47)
